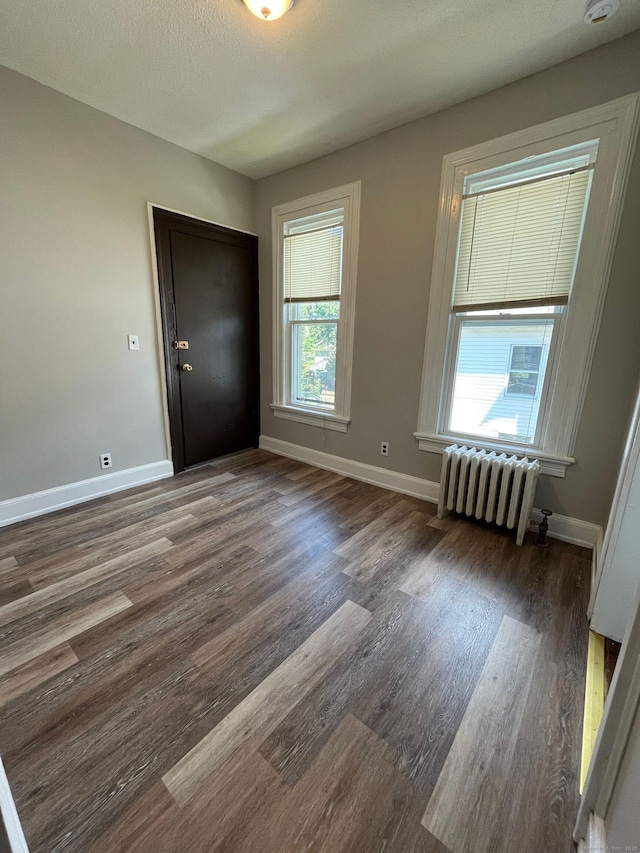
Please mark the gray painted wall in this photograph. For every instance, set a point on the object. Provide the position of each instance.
(76, 278)
(400, 174)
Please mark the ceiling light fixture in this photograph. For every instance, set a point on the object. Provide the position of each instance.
(268, 10)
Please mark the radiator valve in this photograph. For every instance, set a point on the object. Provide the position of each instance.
(542, 529)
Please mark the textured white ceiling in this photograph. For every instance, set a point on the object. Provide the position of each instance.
(260, 97)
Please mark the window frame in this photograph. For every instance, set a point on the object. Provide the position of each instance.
(347, 198)
(615, 126)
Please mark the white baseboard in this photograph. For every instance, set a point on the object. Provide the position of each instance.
(596, 841)
(39, 503)
(12, 827)
(427, 490)
(562, 527)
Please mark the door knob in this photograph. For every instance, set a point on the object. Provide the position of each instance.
(187, 368)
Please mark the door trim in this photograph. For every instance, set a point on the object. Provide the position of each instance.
(161, 271)
(159, 331)
(9, 816)
(628, 467)
(151, 206)
(621, 706)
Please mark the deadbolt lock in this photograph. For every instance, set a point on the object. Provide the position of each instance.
(187, 368)
(181, 344)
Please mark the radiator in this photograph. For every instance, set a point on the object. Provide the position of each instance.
(486, 485)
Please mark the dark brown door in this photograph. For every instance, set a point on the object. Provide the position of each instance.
(209, 296)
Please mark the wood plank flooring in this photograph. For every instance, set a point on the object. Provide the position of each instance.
(261, 657)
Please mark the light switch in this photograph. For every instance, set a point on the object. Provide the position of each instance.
(134, 342)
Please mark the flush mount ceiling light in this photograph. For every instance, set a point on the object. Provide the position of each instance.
(268, 10)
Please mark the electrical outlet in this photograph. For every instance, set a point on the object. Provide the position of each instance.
(384, 448)
(134, 341)
(105, 460)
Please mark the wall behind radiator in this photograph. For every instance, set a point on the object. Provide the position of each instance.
(400, 173)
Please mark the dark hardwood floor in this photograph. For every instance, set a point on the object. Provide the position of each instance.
(260, 656)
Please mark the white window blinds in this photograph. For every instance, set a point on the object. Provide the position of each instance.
(518, 245)
(313, 264)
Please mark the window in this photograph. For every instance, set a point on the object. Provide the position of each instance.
(497, 387)
(524, 370)
(525, 234)
(312, 272)
(314, 330)
(518, 243)
(315, 251)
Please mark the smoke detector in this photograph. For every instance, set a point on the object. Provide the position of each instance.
(598, 11)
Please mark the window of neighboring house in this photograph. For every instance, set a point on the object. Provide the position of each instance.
(315, 249)
(519, 275)
(524, 370)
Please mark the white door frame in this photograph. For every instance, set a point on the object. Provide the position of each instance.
(628, 469)
(623, 698)
(619, 713)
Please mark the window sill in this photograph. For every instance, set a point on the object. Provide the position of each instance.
(551, 464)
(324, 420)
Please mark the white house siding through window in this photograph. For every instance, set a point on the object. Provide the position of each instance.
(494, 395)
